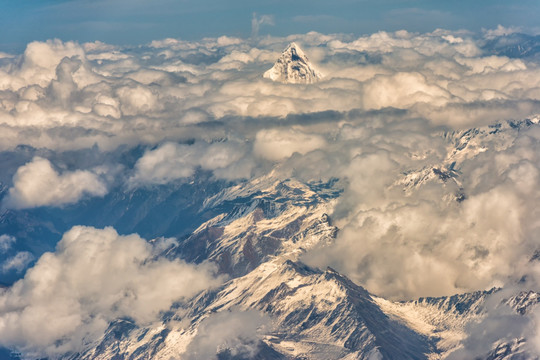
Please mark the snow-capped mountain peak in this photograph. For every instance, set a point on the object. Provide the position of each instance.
(294, 67)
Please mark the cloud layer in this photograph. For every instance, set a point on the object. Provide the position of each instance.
(429, 207)
(172, 161)
(234, 333)
(66, 95)
(376, 121)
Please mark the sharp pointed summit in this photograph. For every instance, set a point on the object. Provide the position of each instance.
(293, 67)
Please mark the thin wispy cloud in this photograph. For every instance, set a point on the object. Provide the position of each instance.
(258, 21)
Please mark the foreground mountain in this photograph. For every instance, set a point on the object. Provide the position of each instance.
(311, 315)
(293, 67)
(304, 313)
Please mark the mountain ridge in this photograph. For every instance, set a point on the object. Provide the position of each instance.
(293, 67)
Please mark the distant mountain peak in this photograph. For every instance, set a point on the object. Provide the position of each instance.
(293, 67)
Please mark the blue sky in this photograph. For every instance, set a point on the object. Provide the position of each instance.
(139, 21)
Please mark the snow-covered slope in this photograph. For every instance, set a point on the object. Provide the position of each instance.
(462, 146)
(312, 315)
(264, 219)
(293, 67)
(308, 314)
(442, 319)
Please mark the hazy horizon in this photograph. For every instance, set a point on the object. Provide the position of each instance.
(122, 22)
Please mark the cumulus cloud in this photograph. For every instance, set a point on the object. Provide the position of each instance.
(38, 64)
(407, 233)
(501, 31)
(402, 90)
(237, 333)
(172, 161)
(168, 162)
(95, 276)
(378, 115)
(279, 144)
(37, 183)
(109, 96)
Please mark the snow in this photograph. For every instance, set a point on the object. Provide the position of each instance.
(293, 67)
(438, 318)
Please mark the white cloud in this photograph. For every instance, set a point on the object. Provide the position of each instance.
(19, 262)
(6, 241)
(158, 93)
(167, 163)
(279, 144)
(403, 234)
(238, 332)
(402, 90)
(137, 100)
(38, 63)
(37, 183)
(211, 94)
(172, 161)
(95, 276)
(501, 31)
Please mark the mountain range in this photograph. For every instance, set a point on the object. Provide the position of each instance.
(263, 229)
(257, 233)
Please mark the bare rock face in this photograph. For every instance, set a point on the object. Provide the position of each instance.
(293, 67)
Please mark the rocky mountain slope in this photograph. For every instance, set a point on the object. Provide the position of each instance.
(293, 67)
